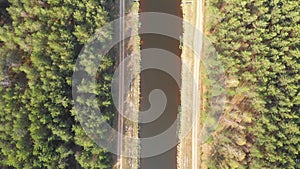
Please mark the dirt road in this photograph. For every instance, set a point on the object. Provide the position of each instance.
(198, 43)
(121, 83)
(189, 151)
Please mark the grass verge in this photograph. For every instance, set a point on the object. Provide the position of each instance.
(132, 101)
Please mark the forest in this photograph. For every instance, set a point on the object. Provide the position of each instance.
(259, 45)
(257, 41)
(39, 43)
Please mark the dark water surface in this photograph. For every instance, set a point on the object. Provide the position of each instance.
(156, 79)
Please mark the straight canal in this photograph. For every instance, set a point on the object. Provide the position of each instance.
(156, 79)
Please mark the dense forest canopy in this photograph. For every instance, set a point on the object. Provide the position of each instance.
(259, 44)
(39, 43)
(257, 40)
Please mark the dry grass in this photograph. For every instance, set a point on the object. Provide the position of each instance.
(184, 148)
(132, 101)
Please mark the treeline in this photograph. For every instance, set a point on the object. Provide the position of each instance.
(259, 45)
(39, 43)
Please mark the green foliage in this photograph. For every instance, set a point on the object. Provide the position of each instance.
(258, 42)
(37, 126)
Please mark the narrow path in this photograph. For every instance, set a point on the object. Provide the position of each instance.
(198, 43)
(121, 83)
